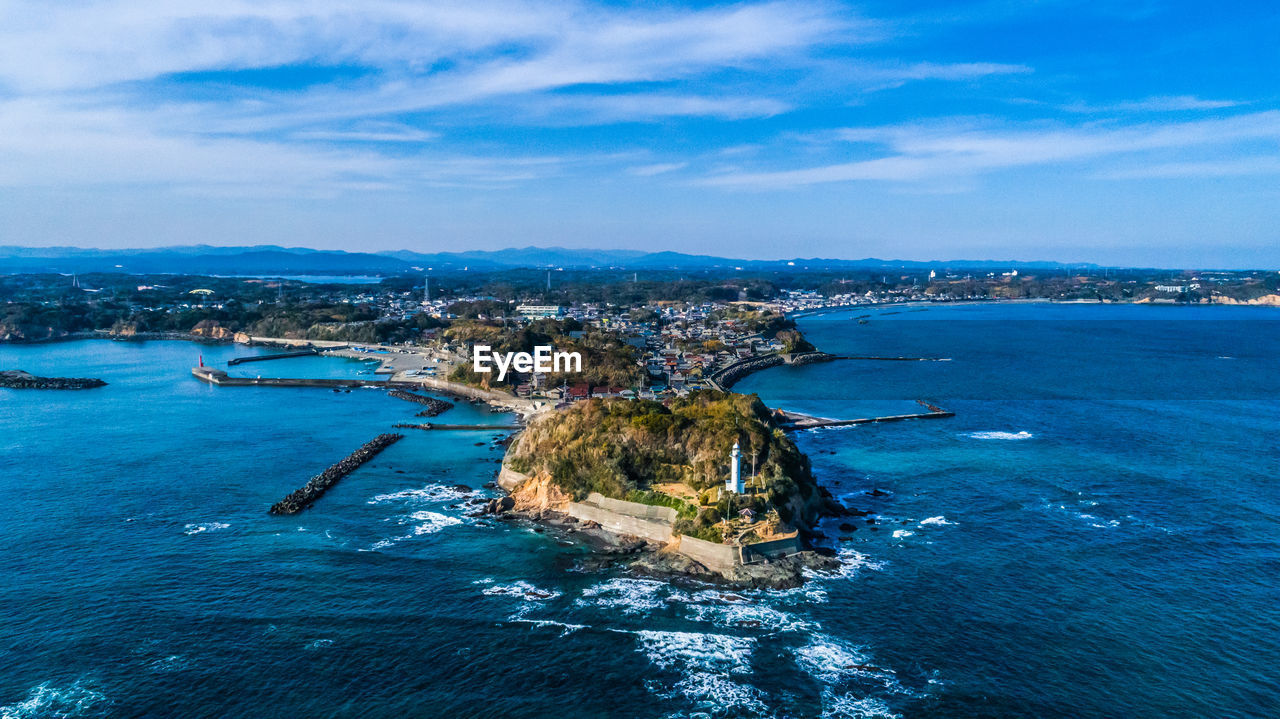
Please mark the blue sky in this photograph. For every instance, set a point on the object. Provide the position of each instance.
(1115, 132)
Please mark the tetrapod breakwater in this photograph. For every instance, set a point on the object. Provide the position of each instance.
(433, 406)
(307, 494)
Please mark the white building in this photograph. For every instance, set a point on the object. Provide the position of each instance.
(540, 310)
(734, 483)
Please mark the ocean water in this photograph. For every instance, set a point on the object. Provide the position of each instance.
(1094, 534)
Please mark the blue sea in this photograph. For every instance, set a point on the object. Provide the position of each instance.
(1095, 533)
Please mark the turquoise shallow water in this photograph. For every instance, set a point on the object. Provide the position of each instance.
(1069, 551)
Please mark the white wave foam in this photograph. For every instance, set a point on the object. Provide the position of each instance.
(835, 664)
(693, 651)
(1094, 521)
(718, 693)
(902, 533)
(831, 661)
(1000, 435)
(191, 529)
(521, 589)
(565, 628)
(432, 522)
(749, 616)
(935, 521)
(430, 494)
(631, 596)
(852, 563)
(707, 664)
(48, 701)
(429, 523)
(848, 706)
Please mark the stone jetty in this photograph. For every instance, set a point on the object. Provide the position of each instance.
(17, 379)
(434, 406)
(306, 496)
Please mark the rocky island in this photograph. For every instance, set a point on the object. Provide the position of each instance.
(703, 486)
(17, 379)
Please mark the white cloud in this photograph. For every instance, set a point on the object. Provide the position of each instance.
(656, 169)
(1162, 103)
(370, 132)
(924, 153)
(44, 145)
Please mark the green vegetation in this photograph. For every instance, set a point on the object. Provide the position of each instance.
(624, 449)
(658, 499)
(606, 360)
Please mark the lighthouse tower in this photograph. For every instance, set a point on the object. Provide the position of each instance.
(735, 475)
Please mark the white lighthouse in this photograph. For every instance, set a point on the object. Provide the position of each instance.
(735, 475)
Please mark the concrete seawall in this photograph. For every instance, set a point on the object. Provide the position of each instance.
(770, 550)
(655, 524)
(625, 517)
(720, 557)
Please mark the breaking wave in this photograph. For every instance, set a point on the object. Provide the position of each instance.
(521, 589)
(191, 529)
(631, 596)
(432, 493)
(1000, 435)
(708, 665)
(49, 701)
(428, 523)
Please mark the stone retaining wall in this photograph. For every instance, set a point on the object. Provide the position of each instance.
(721, 557)
(770, 550)
(635, 509)
(654, 530)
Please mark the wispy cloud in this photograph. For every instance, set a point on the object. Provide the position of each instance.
(913, 153)
(656, 169)
(1163, 103)
(370, 132)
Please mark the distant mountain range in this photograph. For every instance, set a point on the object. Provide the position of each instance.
(274, 260)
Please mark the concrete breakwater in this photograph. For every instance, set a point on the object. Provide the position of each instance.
(803, 358)
(433, 406)
(279, 355)
(222, 379)
(796, 420)
(305, 496)
(17, 379)
(725, 378)
(478, 427)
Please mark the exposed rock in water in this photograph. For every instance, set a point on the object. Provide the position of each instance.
(17, 379)
(498, 506)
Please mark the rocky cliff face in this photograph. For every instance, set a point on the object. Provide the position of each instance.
(212, 330)
(1264, 300)
(539, 494)
(124, 329)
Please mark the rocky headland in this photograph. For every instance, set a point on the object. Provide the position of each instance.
(642, 485)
